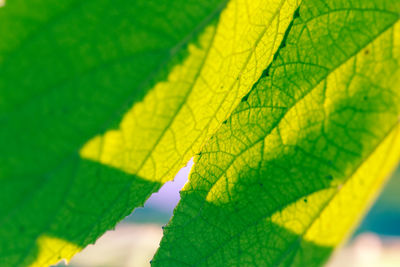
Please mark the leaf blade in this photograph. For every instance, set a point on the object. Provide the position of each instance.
(303, 129)
(66, 74)
(71, 130)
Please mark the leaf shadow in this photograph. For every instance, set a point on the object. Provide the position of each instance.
(72, 206)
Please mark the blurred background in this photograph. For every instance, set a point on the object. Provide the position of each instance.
(376, 242)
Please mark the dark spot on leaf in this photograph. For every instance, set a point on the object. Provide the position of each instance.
(296, 13)
(283, 44)
(224, 122)
(329, 177)
(244, 99)
(305, 200)
(365, 97)
(366, 51)
(266, 72)
(261, 184)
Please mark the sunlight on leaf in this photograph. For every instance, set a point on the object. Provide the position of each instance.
(69, 70)
(159, 135)
(356, 194)
(52, 249)
(291, 110)
(288, 175)
(84, 144)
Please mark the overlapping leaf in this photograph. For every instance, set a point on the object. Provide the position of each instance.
(76, 156)
(289, 173)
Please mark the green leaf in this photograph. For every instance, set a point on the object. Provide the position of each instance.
(284, 180)
(103, 101)
(69, 70)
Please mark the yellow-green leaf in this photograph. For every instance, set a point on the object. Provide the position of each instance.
(82, 143)
(70, 70)
(289, 174)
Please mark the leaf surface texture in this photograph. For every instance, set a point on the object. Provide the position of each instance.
(283, 181)
(103, 101)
